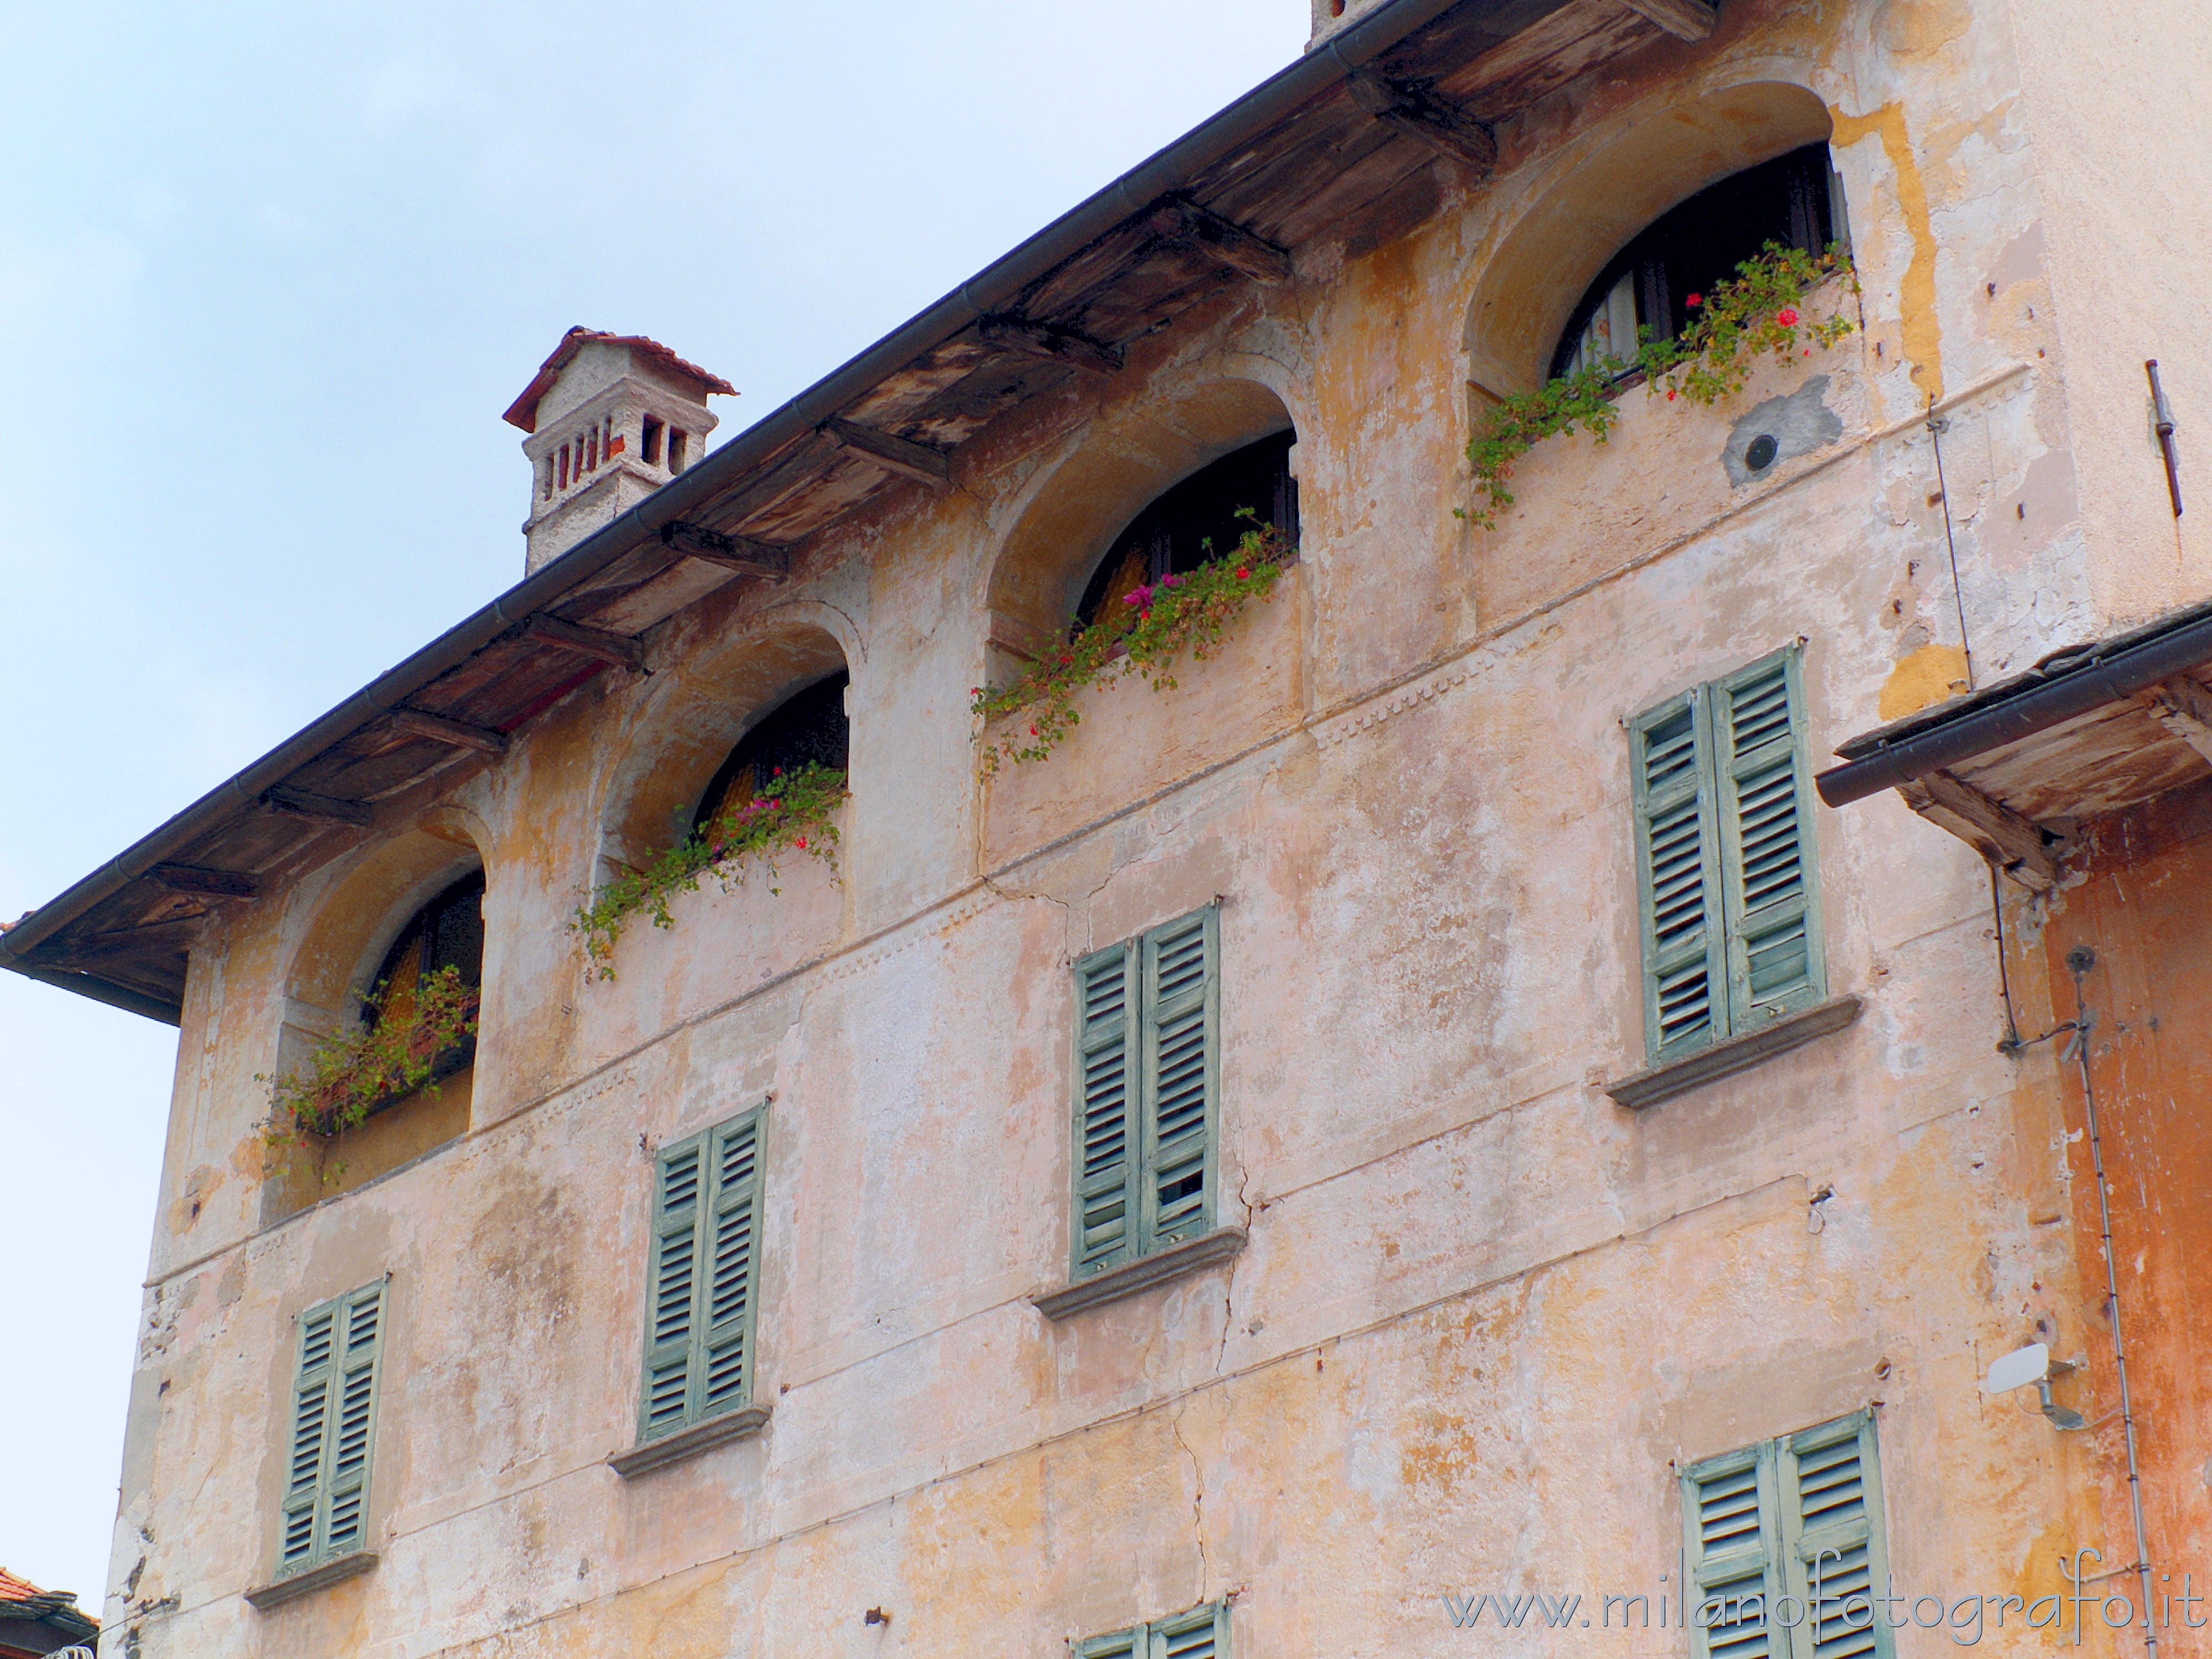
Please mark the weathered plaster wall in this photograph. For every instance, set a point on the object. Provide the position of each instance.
(2113, 100)
(1483, 1311)
(2146, 914)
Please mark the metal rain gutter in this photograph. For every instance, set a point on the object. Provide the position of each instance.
(2072, 692)
(1169, 169)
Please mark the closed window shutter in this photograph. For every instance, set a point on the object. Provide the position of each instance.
(1202, 1634)
(1677, 848)
(1729, 1508)
(726, 1371)
(702, 1297)
(1829, 1484)
(311, 1425)
(354, 1388)
(1774, 963)
(1106, 1074)
(672, 1292)
(333, 1431)
(1181, 990)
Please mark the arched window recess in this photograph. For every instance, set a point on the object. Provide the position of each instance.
(1202, 518)
(808, 728)
(1643, 291)
(430, 983)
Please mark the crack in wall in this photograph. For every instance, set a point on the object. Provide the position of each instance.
(1197, 1505)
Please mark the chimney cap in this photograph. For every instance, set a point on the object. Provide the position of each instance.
(523, 412)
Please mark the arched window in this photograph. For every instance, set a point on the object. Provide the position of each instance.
(808, 728)
(1794, 199)
(446, 933)
(1196, 521)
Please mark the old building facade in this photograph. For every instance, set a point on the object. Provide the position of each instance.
(1282, 1165)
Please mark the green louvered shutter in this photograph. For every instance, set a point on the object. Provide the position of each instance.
(1729, 1507)
(672, 1292)
(1677, 854)
(333, 1431)
(1180, 1061)
(1106, 1071)
(702, 1296)
(725, 1372)
(1774, 965)
(1201, 1634)
(1829, 1482)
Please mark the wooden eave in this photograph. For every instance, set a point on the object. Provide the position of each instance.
(1295, 160)
(2139, 729)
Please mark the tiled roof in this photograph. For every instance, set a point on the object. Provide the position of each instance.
(20, 1599)
(524, 411)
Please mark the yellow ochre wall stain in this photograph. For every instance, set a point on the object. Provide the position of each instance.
(1922, 332)
(1922, 679)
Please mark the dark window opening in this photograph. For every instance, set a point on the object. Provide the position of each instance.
(1197, 520)
(808, 728)
(650, 443)
(563, 473)
(1696, 245)
(446, 933)
(678, 441)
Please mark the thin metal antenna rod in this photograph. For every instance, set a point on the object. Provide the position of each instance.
(2079, 961)
(1937, 426)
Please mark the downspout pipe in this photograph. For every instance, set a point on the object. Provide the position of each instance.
(992, 289)
(2067, 694)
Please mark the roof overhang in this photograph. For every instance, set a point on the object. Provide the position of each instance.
(2016, 769)
(1347, 141)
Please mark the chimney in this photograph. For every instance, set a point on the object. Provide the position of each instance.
(611, 417)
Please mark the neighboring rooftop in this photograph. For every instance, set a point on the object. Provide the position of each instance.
(33, 1621)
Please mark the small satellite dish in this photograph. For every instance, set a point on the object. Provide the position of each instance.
(2032, 1366)
(2019, 1368)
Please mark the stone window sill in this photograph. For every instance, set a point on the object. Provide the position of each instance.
(1131, 1278)
(333, 1571)
(690, 1443)
(1737, 1054)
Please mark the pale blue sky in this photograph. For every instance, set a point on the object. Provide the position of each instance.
(269, 274)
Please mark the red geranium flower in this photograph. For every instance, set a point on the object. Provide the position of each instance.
(1787, 316)
(1693, 298)
(1243, 574)
(802, 843)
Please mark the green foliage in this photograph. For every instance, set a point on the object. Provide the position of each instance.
(392, 1053)
(1160, 623)
(1751, 315)
(796, 815)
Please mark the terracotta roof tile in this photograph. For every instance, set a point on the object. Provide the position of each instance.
(523, 412)
(57, 1609)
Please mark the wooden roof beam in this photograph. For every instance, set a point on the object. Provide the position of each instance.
(619, 649)
(2017, 845)
(1222, 240)
(739, 553)
(893, 454)
(457, 734)
(287, 802)
(1685, 20)
(1050, 344)
(1416, 112)
(204, 884)
(2184, 708)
